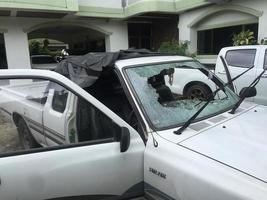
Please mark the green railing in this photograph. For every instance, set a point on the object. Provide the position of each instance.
(60, 5)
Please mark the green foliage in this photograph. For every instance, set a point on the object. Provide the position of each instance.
(244, 38)
(37, 49)
(34, 47)
(264, 42)
(176, 47)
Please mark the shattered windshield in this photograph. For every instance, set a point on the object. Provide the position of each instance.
(171, 93)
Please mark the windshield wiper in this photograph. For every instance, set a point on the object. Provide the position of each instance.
(243, 94)
(186, 124)
(229, 79)
(211, 97)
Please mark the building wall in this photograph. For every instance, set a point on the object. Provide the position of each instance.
(235, 12)
(101, 3)
(16, 40)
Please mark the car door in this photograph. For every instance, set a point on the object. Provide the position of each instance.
(261, 87)
(238, 61)
(56, 111)
(104, 161)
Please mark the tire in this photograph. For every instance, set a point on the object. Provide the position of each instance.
(201, 92)
(26, 139)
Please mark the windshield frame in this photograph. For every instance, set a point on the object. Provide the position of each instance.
(140, 104)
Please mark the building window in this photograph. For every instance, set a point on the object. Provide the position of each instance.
(3, 61)
(139, 35)
(210, 42)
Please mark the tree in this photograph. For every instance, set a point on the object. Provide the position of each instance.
(34, 47)
(176, 47)
(244, 38)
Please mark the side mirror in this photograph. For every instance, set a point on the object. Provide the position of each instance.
(124, 139)
(248, 92)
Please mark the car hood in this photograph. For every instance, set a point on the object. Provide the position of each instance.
(238, 141)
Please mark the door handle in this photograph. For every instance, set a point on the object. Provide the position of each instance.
(264, 76)
(221, 72)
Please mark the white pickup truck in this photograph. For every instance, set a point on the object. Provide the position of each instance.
(126, 135)
(239, 59)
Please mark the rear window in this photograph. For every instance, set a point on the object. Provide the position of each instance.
(241, 57)
(265, 59)
(43, 60)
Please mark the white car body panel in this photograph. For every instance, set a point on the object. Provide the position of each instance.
(190, 175)
(79, 171)
(205, 162)
(149, 60)
(240, 147)
(246, 79)
(182, 77)
(83, 171)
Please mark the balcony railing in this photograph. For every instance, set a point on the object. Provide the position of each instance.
(60, 5)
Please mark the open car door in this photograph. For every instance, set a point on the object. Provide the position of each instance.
(98, 155)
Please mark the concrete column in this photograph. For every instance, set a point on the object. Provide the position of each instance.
(118, 40)
(262, 27)
(187, 33)
(17, 49)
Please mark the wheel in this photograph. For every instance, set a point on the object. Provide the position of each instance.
(200, 92)
(26, 139)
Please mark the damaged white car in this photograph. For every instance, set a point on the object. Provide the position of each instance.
(113, 128)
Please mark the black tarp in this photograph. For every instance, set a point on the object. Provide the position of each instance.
(84, 70)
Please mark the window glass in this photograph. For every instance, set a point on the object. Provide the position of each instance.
(167, 101)
(241, 57)
(211, 41)
(43, 59)
(60, 100)
(3, 59)
(265, 59)
(28, 118)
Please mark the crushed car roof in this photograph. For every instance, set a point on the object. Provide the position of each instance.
(84, 70)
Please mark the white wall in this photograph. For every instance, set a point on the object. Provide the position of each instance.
(118, 40)
(101, 3)
(16, 40)
(16, 43)
(226, 17)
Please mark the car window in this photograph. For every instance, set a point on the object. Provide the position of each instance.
(241, 57)
(265, 59)
(168, 101)
(43, 59)
(60, 100)
(28, 119)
